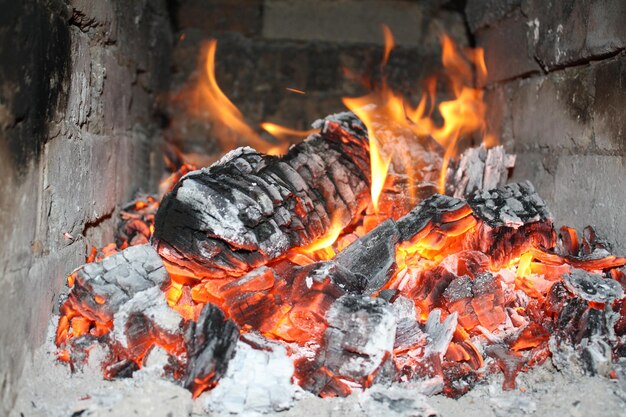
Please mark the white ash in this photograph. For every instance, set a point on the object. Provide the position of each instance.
(479, 169)
(49, 389)
(258, 381)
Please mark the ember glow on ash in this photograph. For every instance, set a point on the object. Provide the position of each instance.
(330, 251)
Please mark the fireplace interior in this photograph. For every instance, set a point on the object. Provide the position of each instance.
(352, 207)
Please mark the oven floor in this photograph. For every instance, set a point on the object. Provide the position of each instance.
(48, 388)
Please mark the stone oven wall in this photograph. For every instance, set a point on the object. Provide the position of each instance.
(78, 136)
(557, 95)
(265, 46)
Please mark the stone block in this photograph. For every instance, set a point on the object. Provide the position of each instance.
(508, 49)
(570, 31)
(554, 111)
(499, 118)
(215, 16)
(609, 108)
(588, 189)
(481, 13)
(359, 21)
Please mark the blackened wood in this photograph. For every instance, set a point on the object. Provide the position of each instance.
(210, 344)
(357, 346)
(102, 288)
(513, 219)
(249, 208)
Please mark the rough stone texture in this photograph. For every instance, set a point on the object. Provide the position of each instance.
(77, 85)
(555, 96)
(509, 34)
(522, 36)
(572, 31)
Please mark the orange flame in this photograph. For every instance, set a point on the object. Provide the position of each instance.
(463, 115)
(284, 133)
(206, 100)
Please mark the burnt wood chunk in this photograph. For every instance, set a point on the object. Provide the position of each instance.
(210, 344)
(357, 346)
(479, 169)
(102, 288)
(248, 208)
(512, 219)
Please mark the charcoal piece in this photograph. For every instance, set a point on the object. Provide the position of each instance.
(439, 334)
(122, 369)
(513, 219)
(210, 343)
(101, 288)
(592, 287)
(373, 256)
(459, 289)
(249, 208)
(436, 210)
(357, 346)
(512, 205)
(431, 286)
(409, 335)
(258, 380)
(479, 169)
(143, 321)
(388, 294)
(584, 335)
(567, 242)
(593, 246)
(510, 362)
(360, 334)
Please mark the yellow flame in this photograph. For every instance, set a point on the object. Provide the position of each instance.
(462, 115)
(284, 133)
(206, 100)
(328, 239)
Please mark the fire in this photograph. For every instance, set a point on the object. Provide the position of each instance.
(494, 284)
(284, 134)
(205, 100)
(384, 110)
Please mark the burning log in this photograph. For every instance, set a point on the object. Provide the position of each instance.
(249, 208)
(210, 344)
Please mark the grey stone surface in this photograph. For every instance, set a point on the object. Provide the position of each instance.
(76, 106)
(609, 122)
(481, 13)
(576, 30)
(554, 110)
(508, 49)
(523, 36)
(357, 21)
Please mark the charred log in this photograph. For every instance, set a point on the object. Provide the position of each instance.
(249, 208)
(210, 344)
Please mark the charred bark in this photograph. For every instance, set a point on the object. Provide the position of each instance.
(249, 208)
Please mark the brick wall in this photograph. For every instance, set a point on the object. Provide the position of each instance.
(77, 127)
(557, 94)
